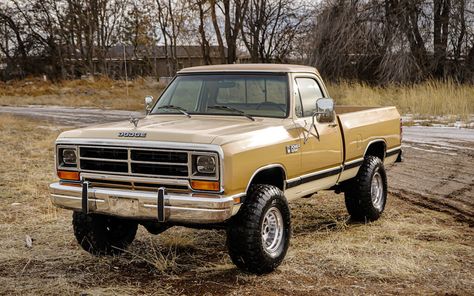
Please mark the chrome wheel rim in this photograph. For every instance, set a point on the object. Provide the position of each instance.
(376, 191)
(272, 231)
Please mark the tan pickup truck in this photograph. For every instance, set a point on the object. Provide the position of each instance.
(226, 146)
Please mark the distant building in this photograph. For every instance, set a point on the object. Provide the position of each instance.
(116, 62)
(158, 60)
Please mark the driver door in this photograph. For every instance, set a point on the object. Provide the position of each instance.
(321, 143)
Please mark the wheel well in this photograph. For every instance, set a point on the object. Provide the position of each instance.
(376, 149)
(271, 176)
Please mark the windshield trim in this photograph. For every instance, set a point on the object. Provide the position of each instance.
(251, 73)
(220, 73)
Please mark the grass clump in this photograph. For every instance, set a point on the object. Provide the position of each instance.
(427, 98)
(99, 92)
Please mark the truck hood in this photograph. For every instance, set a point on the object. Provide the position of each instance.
(200, 129)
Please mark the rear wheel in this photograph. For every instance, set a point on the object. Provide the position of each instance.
(103, 235)
(366, 194)
(259, 235)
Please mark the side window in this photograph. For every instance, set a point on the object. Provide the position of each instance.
(298, 106)
(309, 92)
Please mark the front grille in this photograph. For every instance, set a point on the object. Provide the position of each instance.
(159, 169)
(134, 161)
(104, 166)
(107, 153)
(159, 156)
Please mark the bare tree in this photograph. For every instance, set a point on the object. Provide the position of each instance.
(171, 19)
(233, 13)
(271, 27)
(398, 40)
(203, 10)
(15, 46)
(343, 40)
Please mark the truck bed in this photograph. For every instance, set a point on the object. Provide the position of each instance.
(362, 125)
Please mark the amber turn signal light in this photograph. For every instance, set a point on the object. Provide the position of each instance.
(68, 175)
(205, 185)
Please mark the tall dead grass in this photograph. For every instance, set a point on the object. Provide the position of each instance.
(423, 99)
(99, 92)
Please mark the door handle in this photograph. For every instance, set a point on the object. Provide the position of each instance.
(332, 125)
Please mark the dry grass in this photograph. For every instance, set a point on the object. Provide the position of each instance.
(99, 93)
(428, 98)
(410, 250)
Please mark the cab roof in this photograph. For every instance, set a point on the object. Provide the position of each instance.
(281, 68)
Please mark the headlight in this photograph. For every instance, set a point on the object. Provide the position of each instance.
(206, 164)
(67, 157)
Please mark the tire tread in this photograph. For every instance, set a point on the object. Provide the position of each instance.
(243, 234)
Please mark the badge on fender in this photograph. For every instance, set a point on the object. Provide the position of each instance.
(292, 148)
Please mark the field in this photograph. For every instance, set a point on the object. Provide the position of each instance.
(416, 248)
(99, 92)
(431, 98)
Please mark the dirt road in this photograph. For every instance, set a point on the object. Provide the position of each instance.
(68, 115)
(438, 172)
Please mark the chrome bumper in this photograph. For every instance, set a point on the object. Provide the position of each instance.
(184, 208)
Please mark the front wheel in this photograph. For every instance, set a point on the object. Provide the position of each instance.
(259, 235)
(366, 194)
(103, 235)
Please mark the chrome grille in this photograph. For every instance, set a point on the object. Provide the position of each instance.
(134, 161)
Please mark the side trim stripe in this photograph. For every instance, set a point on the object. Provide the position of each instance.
(313, 177)
(393, 152)
(331, 172)
(353, 164)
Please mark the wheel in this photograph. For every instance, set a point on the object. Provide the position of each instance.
(259, 235)
(366, 194)
(103, 235)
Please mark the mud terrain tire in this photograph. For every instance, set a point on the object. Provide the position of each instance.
(259, 235)
(366, 194)
(103, 235)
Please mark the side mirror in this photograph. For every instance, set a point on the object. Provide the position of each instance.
(148, 102)
(325, 110)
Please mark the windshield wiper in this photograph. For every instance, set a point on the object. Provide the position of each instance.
(227, 108)
(182, 110)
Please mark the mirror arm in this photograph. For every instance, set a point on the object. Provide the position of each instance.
(314, 124)
(306, 137)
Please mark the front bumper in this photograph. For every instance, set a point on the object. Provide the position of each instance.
(183, 208)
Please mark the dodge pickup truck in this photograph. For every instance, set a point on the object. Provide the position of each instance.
(226, 146)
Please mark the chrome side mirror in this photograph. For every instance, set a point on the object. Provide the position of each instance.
(324, 110)
(148, 102)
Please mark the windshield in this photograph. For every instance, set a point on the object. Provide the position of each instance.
(264, 95)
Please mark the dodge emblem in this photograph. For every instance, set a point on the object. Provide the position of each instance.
(132, 134)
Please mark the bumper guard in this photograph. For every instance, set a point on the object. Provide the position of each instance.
(160, 206)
